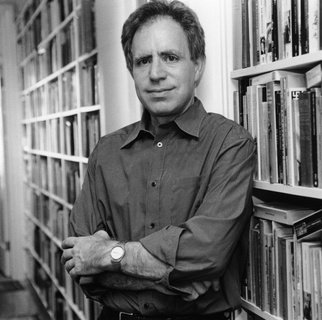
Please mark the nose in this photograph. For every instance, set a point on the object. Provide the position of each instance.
(157, 70)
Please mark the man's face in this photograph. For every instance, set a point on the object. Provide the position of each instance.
(163, 72)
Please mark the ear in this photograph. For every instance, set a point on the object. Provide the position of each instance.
(199, 69)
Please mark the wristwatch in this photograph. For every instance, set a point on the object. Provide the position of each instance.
(118, 252)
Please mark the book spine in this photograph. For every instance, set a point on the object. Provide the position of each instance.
(279, 138)
(314, 140)
(271, 89)
(304, 26)
(276, 26)
(305, 114)
(295, 30)
(319, 138)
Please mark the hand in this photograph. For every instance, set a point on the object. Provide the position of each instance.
(201, 287)
(87, 255)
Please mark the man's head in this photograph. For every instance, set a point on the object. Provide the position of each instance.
(165, 52)
(176, 10)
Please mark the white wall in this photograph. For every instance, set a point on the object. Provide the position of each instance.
(120, 104)
(215, 89)
(13, 161)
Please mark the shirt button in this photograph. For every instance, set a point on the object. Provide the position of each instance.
(152, 225)
(153, 184)
(159, 144)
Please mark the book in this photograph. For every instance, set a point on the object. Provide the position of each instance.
(255, 44)
(269, 30)
(263, 139)
(307, 279)
(281, 233)
(290, 277)
(298, 281)
(307, 139)
(282, 212)
(309, 227)
(314, 76)
(275, 27)
(319, 138)
(295, 27)
(275, 75)
(287, 28)
(273, 105)
(291, 86)
(266, 239)
(314, 29)
(304, 27)
(316, 284)
(237, 34)
(87, 26)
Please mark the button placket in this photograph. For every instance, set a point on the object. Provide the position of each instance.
(152, 199)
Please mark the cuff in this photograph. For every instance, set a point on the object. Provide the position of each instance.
(163, 244)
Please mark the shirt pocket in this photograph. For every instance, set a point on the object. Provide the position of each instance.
(184, 198)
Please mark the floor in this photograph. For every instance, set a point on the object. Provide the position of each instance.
(19, 302)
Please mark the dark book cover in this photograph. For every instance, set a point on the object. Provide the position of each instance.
(295, 28)
(309, 227)
(306, 162)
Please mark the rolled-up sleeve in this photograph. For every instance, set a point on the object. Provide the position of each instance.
(85, 218)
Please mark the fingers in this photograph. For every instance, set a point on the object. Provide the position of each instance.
(69, 242)
(200, 288)
(67, 255)
(69, 265)
(102, 233)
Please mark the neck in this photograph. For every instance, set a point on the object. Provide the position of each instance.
(157, 121)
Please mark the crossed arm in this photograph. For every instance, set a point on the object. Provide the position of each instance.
(89, 256)
(209, 237)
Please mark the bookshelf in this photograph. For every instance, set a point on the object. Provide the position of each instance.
(269, 116)
(58, 65)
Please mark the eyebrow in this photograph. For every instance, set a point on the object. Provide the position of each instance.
(165, 52)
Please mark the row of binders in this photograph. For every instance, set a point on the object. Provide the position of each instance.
(283, 112)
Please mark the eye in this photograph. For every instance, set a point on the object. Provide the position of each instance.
(143, 61)
(170, 58)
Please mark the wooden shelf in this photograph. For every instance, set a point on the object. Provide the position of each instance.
(248, 306)
(315, 193)
(62, 114)
(304, 61)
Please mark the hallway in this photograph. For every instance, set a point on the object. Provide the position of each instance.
(19, 302)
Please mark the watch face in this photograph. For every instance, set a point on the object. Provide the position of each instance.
(117, 253)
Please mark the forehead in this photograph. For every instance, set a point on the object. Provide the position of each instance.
(160, 33)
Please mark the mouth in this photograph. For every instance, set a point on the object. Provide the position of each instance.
(159, 91)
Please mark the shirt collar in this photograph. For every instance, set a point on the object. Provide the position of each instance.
(189, 122)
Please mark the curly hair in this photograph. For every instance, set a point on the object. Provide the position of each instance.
(176, 10)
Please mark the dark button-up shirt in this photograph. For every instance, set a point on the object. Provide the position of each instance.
(185, 195)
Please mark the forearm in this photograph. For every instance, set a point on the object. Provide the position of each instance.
(99, 284)
(139, 263)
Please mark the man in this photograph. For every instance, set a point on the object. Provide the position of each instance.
(160, 227)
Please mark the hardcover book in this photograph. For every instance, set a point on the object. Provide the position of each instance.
(286, 213)
(309, 227)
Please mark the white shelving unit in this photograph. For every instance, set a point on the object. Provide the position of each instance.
(307, 195)
(61, 125)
